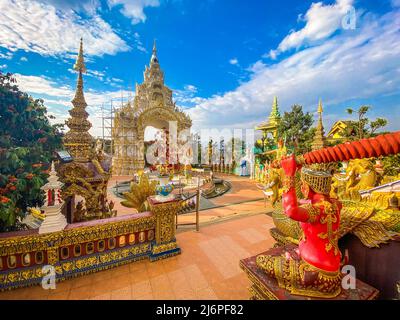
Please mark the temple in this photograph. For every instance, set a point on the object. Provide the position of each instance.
(284, 222)
(152, 106)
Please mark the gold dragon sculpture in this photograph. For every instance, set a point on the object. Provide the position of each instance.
(139, 192)
(373, 219)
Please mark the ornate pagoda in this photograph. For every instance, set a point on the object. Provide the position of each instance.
(271, 124)
(152, 106)
(78, 140)
(86, 177)
(319, 138)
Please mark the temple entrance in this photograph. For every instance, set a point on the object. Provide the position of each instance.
(152, 107)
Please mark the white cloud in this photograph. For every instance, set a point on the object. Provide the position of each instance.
(134, 9)
(7, 55)
(24, 59)
(42, 86)
(359, 64)
(3, 66)
(321, 22)
(37, 27)
(58, 98)
(234, 61)
(190, 87)
(187, 98)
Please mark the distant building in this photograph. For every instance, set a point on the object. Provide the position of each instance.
(271, 124)
(339, 131)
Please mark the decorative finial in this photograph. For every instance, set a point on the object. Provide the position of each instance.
(80, 63)
(53, 169)
(154, 58)
(320, 109)
(154, 46)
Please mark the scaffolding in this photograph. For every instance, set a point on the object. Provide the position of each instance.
(107, 120)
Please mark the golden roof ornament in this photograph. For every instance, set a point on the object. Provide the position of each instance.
(77, 140)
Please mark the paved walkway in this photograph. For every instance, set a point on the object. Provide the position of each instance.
(208, 268)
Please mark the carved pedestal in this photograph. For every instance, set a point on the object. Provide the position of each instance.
(165, 243)
(264, 287)
(54, 220)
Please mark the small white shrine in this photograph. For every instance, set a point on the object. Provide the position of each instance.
(54, 219)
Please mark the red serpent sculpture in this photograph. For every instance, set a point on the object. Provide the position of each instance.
(382, 145)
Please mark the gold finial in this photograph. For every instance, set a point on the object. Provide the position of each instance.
(154, 46)
(80, 62)
(275, 102)
(320, 109)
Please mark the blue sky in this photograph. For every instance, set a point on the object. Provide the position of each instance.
(225, 60)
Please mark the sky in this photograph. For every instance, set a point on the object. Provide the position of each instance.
(225, 60)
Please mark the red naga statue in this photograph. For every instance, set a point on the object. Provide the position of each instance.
(313, 269)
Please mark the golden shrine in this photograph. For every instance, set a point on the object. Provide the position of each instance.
(152, 106)
(86, 177)
(271, 125)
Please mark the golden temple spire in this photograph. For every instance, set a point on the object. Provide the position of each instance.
(154, 47)
(80, 62)
(154, 58)
(319, 139)
(320, 109)
(77, 140)
(274, 116)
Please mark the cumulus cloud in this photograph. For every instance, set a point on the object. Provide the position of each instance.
(360, 64)
(39, 27)
(134, 9)
(187, 97)
(234, 61)
(321, 22)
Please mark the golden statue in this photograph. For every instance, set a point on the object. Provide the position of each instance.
(137, 196)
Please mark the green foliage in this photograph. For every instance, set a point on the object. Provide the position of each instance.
(359, 129)
(391, 165)
(27, 143)
(295, 128)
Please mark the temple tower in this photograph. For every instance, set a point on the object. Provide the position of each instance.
(319, 139)
(77, 140)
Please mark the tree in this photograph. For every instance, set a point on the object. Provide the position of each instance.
(295, 128)
(27, 144)
(359, 128)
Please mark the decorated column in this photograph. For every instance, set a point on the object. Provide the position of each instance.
(54, 220)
